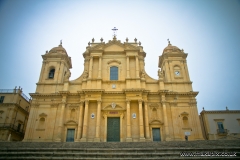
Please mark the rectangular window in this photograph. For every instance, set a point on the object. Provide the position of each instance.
(113, 73)
(19, 127)
(1, 99)
(220, 127)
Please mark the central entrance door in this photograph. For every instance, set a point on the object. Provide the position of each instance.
(113, 129)
(156, 134)
(70, 135)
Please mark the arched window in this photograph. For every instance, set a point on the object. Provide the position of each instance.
(41, 123)
(51, 73)
(185, 121)
(113, 73)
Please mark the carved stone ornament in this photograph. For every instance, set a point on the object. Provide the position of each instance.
(113, 105)
(67, 76)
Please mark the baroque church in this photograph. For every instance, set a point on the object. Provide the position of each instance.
(114, 100)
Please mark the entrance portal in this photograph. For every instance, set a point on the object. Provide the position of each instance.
(70, 135)
(113, 129)
(156, 134)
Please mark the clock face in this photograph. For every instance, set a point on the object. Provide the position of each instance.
(177, 73)
(114, 86)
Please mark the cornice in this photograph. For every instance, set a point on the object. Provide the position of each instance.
(190, 82)
(113, 92)
(134, 90)
(49, 83)
(92, 90)
(220, 111)
(34, 95)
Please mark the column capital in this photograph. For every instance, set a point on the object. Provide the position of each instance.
(86, 101)
(128, 101)
(140, 100)
(99, 101)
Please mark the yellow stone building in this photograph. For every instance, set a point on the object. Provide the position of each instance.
(114, 99)
(220, 124)
(14, 112)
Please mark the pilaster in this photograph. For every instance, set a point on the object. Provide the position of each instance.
(97, 137)
(141, 129)
(85, 122)
(129, 133)
(80, 120)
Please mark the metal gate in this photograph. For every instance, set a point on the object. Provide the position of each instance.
(113, 129)
(156, 134)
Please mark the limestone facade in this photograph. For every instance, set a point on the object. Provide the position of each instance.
(220, 124)
(14, 111)
(114, 99)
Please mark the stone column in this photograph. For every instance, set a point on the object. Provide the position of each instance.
(146, 120)
(97, 137)
(60, 121)
(90, 67)
(165, 118)
(141, 129)
(137, 67)
(129, 134)
(80, 119)
(100, 67)
(85, 123)
(128, 76)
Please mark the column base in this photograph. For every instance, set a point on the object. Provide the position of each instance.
(168, 139)
(77, 140)
(142, 139)
(83, 140)
(57, 140)
(128, 139)
(96, 140)
(148, 140)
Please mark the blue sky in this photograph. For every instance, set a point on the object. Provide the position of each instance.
(208, 30)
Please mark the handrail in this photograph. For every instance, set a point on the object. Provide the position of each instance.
(15, 91)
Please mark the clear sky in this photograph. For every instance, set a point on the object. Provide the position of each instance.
(208, 30)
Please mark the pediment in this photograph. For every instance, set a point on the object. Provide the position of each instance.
(184, 114)
(71, 122)
(114, 47)
(42, 115)
(156, 122)
(113, 107)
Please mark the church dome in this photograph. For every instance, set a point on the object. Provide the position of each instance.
(171, 48)
(58, 50)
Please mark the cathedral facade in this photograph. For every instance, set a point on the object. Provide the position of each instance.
(114, 100)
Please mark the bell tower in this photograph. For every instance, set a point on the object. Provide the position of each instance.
(55, 70)
(173, 65)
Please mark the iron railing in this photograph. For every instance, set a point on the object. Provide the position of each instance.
(7, 91)
(25, 97)
(15, 91)
(12, 127)
(222, 131)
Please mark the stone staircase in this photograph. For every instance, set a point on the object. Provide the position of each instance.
(120, 150)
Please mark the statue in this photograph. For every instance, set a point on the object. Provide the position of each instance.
(85, 74)
(160, 74)
(142, 74)
(67, 75)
